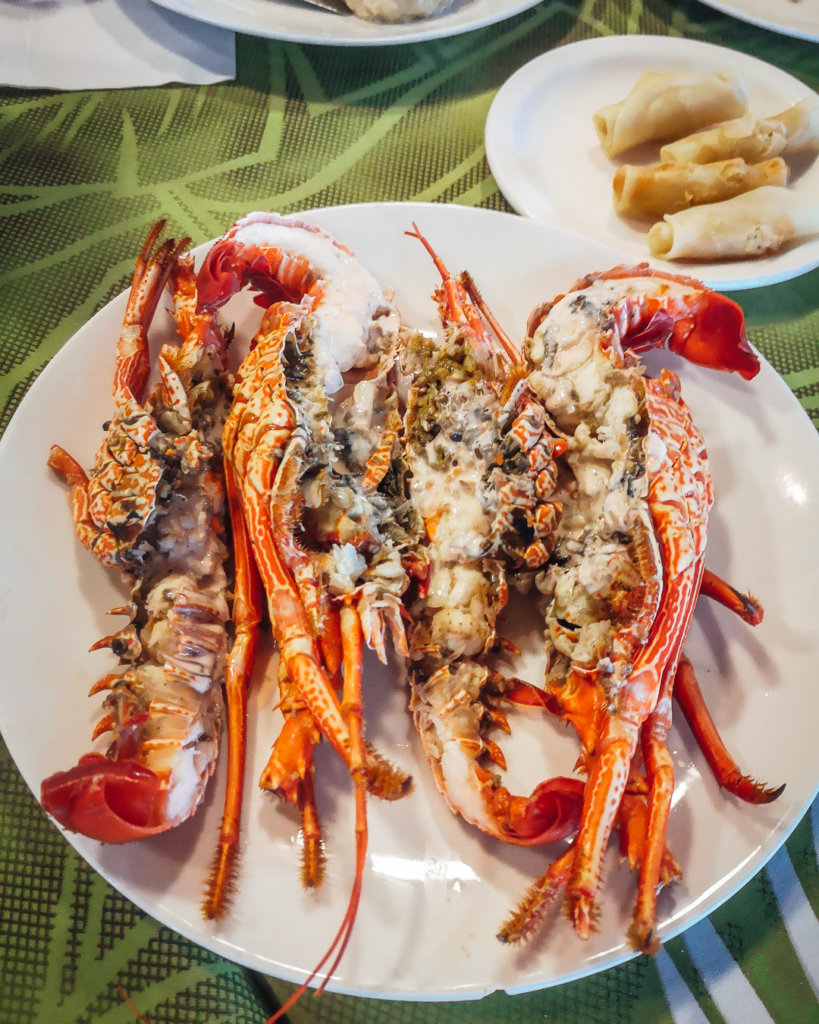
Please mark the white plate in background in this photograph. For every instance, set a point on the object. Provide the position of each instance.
(546, 158)
(301, 23)
(798, 18)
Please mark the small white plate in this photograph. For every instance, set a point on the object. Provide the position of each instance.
(547, 160)
(798, 18)
(435, 890)
(300, 23)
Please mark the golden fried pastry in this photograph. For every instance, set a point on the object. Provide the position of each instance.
(647, 192)
(751, 224)
(792, 131)
(667, 106)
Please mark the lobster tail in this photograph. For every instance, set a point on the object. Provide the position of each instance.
(254, 252)
(229, 267)
(550, 813)
(718, 338)
(704, 327)
(112, 801)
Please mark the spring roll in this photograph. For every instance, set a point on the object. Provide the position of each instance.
(667, 106)
(801, 123)
(753, 139)
(751, 224)
(651, 191)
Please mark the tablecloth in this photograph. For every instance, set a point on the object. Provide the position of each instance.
(82, 175)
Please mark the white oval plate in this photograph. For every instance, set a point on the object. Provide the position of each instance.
(546, 158)
(799, 18)
(300, 23)
(435, 890)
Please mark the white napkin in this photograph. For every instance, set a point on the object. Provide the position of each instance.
(108, 44)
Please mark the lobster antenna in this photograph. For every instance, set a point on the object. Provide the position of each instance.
(351, 705)
(474, 294)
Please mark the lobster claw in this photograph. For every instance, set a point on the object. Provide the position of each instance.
(112, 801)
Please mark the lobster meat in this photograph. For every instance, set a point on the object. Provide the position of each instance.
(482, 469)
(154, 508)
(362, 476)
(610, 496)
(311, 449)
(618, 594)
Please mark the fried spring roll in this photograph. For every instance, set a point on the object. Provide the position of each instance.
(667, 106)
(752, 224)
(794, 130)
(651, 191)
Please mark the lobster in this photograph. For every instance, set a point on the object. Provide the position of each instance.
(154, 508)
(623, 567)
(483, 469)
(619, 592)
(312, 461)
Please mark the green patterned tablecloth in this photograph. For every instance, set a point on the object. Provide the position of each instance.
(82, 175)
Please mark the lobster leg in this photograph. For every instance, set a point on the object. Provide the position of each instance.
(290, 769)
(297, 647)
(538, 900)
(352, 707)
(660, 769)
(678, 483)
(727, 773)
(633, 828)
(690, 698)
(660, 772)
(72, 474)
(149, 279)
(246, 617)
(284, 507)
(289, 772)
(744, 605)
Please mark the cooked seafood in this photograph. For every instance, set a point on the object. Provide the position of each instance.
(154, 508)
(312, 452)
(482, 468)
(566, 472)
(619, 591)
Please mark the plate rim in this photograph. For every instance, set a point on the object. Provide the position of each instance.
(773, 841)
(498, 145)
(736, 8)
(365, 33)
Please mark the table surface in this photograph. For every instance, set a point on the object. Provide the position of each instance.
(82, 176)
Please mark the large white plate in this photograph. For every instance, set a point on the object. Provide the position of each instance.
(546, 157)
(798, 18)
(302, 23)
(435, 890)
